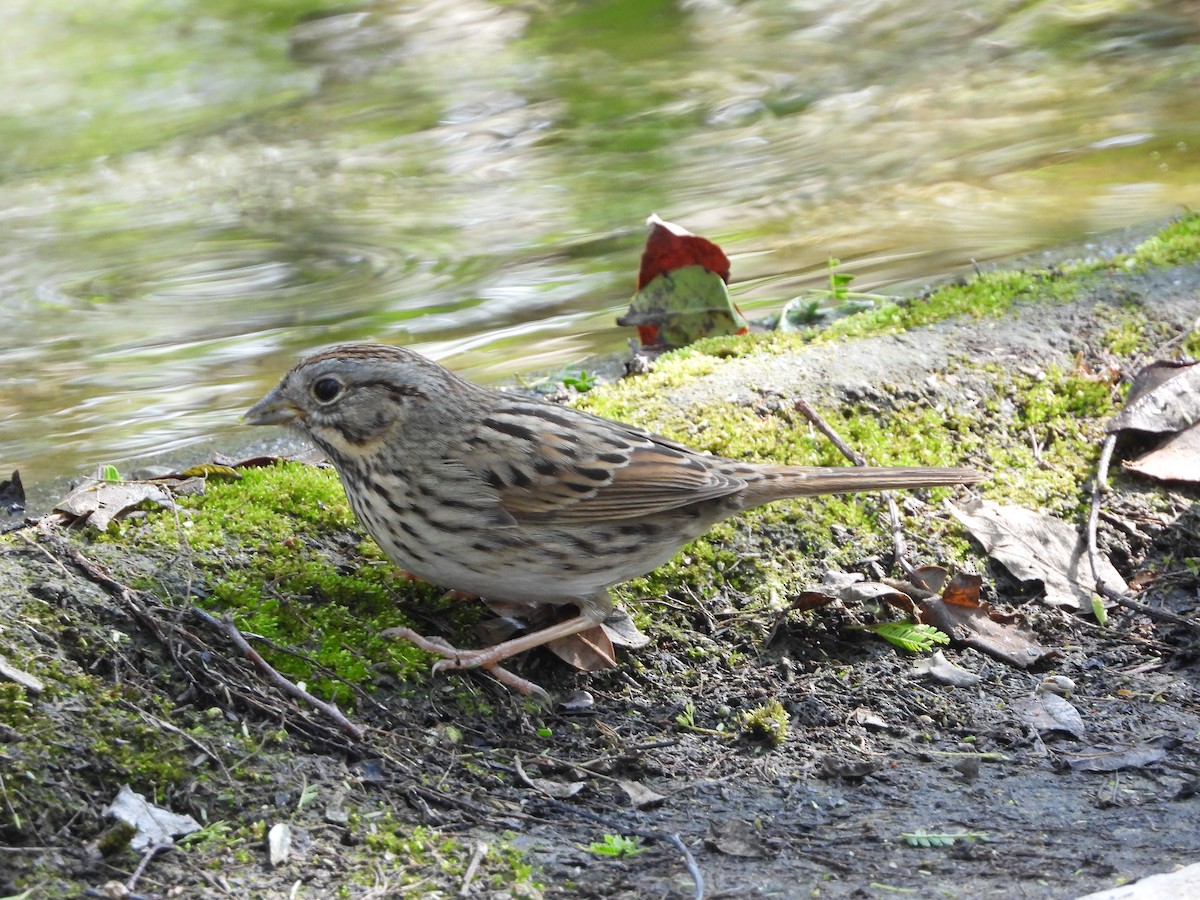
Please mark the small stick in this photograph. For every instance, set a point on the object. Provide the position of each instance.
(1094, 553)
(481, 850)
(101, 576)
(273, 676)
(899, 546)
(806, 409)
(145, 860)
(50, 556)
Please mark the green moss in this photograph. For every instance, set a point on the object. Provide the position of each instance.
(768, 723)
(503, 866)
(1129, 333)
(279, 550)
(1174, 245)
(14, 705)
(1191, 345)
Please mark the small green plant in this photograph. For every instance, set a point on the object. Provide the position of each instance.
(839, 282)
(919, 838)
(109, 473)
(687, 718)
(824, 304)
(617, 846)
(218, 830)
(307, 796)
(908, 636)
(583, 382)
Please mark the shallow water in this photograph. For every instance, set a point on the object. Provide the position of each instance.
(193, 194)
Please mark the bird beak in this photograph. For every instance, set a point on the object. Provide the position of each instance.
(272, 409)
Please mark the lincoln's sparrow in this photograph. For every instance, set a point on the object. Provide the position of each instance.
(517, 499)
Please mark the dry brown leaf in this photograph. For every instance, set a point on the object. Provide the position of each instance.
(98, 503)
(639, 795)
(968, 620)
(588, 651)
(1034, 546)
(559, 790)
(941, 669)
(1176, 459)
(1049, 713)
(1164, 397)
(154, 824)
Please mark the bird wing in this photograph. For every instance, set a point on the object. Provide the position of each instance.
(545, 461)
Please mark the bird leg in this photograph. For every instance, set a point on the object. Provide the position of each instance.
(441, 648)
(592, 611)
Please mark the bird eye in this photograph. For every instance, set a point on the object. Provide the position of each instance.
(327, 389)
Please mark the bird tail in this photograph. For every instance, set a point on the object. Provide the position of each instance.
(805, 481)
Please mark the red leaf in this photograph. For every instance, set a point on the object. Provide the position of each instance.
(670, 247)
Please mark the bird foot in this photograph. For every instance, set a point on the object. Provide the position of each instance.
(455, 659)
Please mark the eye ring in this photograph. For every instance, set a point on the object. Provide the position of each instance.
(326, 390)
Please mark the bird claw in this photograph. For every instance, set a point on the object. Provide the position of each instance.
(456, 660)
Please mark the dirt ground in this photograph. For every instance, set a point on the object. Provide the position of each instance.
(872, 751)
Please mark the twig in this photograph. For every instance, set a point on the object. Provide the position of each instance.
(50, 556)
(806, 409)
(481, 850)
(167, 726)
(151, 851)
(1103, 589)
(133, 604)
(899, 546)
(273, 676)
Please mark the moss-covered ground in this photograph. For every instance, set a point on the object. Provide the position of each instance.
(741, 712)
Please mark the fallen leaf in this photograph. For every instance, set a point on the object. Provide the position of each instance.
(737, 838)
(639, 795)
(310, 457)
(968, 620)
(1048, 713)
(931, 578)
(577, 702)
(1164, 397)
(810, 600)
(212, 470)
(622, 631)
(1037, 547)
(868, 718)
(559, 790)
(1176, 459)
(941, 669)
(98, 503)
(154, 824)
(670, 247)
(588, 651)
(1097, 760)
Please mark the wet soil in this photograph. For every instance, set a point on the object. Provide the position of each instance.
(872, 751)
